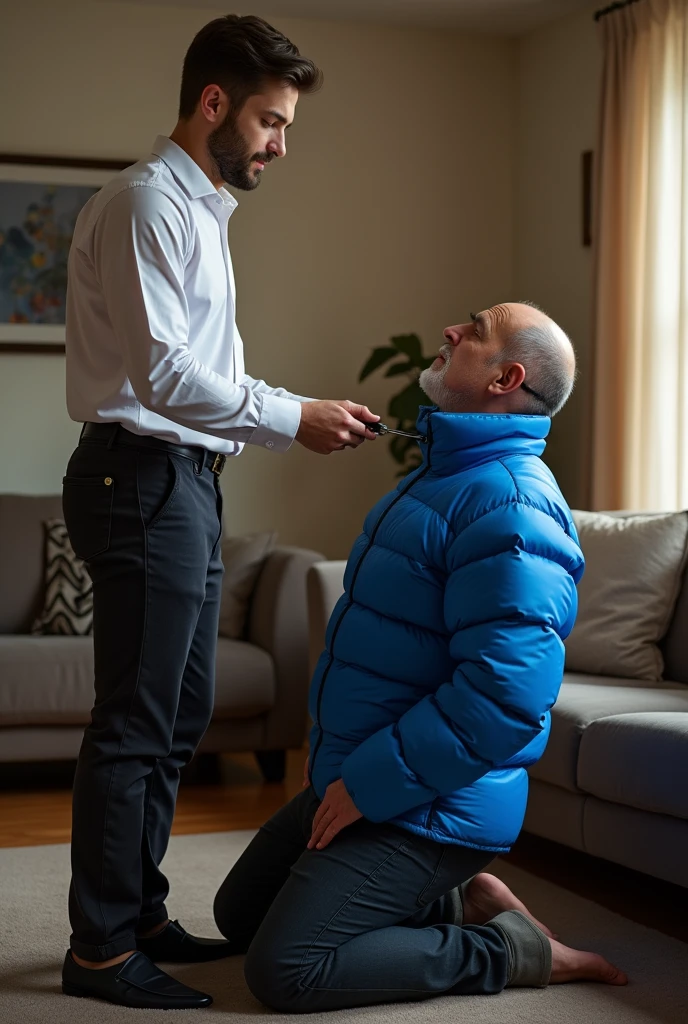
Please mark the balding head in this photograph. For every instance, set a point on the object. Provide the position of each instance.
(511, 358)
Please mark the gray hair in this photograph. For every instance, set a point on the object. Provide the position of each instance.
(540, 351)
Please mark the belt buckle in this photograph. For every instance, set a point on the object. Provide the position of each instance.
(218, 464)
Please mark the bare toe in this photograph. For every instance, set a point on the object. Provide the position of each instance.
(576, 965)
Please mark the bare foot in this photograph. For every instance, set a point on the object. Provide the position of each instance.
(486, 896)
(575, 965)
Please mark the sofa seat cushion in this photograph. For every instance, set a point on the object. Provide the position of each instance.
(244, 680)
(584, 699)
(48, 680)
(639, 760)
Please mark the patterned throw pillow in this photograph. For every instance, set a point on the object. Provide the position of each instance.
(68, 606)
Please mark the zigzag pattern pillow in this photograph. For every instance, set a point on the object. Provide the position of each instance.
(68, 606)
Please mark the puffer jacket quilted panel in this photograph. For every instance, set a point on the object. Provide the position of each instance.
(445, 653)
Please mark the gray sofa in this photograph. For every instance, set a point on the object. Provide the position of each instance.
(46, 682)
(613, 781)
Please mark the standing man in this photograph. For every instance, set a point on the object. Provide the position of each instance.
(155, 371)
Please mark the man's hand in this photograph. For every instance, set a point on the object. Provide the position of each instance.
(332, 426)
(335, 812)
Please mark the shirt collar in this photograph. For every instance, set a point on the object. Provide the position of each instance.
(192, 179)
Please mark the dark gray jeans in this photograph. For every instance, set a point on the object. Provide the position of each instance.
(375, 917)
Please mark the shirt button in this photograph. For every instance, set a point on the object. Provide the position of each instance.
(269, 444)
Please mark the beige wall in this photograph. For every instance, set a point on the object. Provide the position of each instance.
(558, 82)
(392, 213)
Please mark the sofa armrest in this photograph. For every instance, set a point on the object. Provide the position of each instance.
(278, 623)
(324, 586)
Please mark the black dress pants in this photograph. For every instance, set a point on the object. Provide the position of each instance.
(148, 523)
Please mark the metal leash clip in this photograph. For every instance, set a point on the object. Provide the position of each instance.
(382, 428)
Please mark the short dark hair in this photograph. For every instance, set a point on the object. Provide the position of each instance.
(239, 54)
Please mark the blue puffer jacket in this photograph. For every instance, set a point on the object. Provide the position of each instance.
(445, 653)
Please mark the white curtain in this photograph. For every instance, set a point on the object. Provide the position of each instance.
(640, 377)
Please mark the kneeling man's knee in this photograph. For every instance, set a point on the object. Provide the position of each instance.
(272, 981)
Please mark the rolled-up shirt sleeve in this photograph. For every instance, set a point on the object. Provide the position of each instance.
(140, 248)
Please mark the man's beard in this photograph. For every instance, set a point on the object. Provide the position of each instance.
(229, 149)
(432, 383)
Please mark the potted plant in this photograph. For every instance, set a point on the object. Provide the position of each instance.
(403, 406)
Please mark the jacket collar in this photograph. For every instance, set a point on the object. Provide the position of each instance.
(458, 441)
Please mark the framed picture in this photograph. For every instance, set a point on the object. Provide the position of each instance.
(40, 199)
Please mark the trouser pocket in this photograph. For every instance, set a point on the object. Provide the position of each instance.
(158, 480)
(87, 507)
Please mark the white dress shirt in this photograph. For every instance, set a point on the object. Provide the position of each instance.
(151, 336)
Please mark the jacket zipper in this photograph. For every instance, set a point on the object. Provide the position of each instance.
(351, 596)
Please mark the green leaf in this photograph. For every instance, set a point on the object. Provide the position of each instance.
(410, 345)
(398, 369)
(405, 405)
(378, 357)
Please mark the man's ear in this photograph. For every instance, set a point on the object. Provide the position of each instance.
(510, 379)
(213, 103)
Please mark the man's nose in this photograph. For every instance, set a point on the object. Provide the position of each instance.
(453, 335)
(278, 147)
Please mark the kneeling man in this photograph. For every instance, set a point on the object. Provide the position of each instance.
(444, 657)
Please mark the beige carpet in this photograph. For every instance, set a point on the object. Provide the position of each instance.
(33, 934)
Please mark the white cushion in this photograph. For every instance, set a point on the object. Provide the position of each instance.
(633, 571)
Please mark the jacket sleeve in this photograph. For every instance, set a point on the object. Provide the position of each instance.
(510, 600)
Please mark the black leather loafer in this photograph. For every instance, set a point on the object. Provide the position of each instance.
(135, 982)
(175, 946)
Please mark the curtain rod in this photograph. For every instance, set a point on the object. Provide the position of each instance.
(613, 7)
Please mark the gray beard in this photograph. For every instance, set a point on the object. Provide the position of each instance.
(432, 383)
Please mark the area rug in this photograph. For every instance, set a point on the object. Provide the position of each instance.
(34, 930)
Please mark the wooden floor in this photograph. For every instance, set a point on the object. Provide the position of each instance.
(36, 800)
(229, 794)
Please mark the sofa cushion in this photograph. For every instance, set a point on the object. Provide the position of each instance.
(244, 680)
(68, 608)
(22, 543)
(634, 568)
(640, 760)
(674, 646)
(584, 699)
(243, 559)
(48, 680)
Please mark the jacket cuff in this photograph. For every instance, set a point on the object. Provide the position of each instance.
(378, 781)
